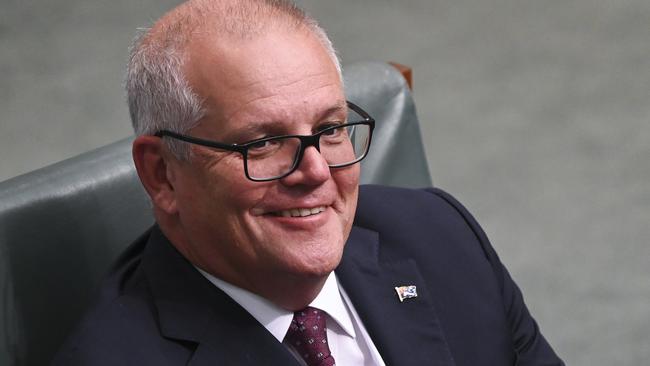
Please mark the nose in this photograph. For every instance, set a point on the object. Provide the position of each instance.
(312, 170)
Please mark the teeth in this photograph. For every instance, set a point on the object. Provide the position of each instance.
(301, 212)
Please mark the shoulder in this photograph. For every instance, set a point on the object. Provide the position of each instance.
(372, 197)
(429, 212)
(475, 297)
(457, 266)
(433, 229)
(376, 200)
(120, 327)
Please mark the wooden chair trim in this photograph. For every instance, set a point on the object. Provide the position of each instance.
(406, 71)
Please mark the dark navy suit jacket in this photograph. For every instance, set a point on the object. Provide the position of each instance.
(156, 309)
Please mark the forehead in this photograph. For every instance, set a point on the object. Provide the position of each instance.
(276, 75)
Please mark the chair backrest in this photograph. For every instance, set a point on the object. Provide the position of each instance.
(61, 226)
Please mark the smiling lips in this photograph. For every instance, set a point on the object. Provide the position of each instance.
(300, 212)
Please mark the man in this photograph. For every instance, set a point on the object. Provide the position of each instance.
(248, 151)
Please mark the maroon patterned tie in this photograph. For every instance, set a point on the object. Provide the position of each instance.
(308, 335)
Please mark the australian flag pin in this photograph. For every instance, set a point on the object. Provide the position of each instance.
(406, 292)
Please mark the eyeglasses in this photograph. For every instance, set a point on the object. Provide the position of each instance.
(276, 157)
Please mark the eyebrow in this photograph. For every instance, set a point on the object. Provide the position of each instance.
(340, 107)
(276, 126)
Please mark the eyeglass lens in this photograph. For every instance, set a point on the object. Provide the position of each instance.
(339, 147)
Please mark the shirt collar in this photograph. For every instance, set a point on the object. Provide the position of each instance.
(329, 300)
(276, 319)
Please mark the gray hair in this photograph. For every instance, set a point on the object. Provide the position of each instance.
(159, 96)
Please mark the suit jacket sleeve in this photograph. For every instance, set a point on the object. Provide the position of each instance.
(531, 347)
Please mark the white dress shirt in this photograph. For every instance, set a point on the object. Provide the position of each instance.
(348, 339)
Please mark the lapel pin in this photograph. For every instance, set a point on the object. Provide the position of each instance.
(406, 292)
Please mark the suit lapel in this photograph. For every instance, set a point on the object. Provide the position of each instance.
(191, 309)
(405, 333)
(239, 339)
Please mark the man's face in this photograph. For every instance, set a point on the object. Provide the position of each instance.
(275, 84)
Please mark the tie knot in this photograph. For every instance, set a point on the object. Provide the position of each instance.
(310, 315)
(308, 336)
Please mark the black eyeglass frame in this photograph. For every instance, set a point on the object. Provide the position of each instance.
(305, 142)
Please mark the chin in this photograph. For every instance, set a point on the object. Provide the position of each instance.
(319, 264)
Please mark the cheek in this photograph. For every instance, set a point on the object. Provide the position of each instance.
(217, 191)
(229, 202)
(347, 181)
(227, 184)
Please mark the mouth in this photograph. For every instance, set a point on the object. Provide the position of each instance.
(299, 212)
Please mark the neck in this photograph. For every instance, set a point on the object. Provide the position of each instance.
(292, 294)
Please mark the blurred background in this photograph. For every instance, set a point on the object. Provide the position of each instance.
(535, 114)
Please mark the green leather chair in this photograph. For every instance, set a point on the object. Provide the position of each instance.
(61, 226)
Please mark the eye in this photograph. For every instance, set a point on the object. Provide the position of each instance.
(330, 128)
(259, 145)
(335, 134)
(264, 147)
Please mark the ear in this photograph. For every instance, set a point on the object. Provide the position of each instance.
(151, 163)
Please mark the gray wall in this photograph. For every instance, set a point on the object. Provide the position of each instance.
(535, 115)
